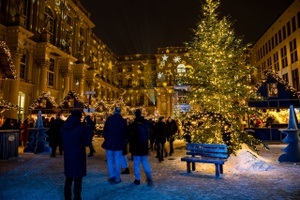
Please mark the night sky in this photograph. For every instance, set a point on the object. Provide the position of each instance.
(141, 26)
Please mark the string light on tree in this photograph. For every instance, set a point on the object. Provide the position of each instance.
(218, 82)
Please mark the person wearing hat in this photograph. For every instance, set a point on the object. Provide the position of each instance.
(139, 147)
(115, 134)
(75, 137)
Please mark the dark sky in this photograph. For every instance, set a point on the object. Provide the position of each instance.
(141, 26)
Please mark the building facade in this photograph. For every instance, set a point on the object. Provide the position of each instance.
(279, 47)
(54, 50)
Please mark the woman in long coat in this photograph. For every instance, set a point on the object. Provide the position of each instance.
(75, 137)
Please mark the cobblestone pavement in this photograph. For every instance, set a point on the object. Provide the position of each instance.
(38, 176)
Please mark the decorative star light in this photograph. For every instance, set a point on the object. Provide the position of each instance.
(160, 75)
(127, 76)
(110, 65)
(165, 57)
(176, 59)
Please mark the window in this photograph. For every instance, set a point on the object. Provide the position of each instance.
(288, 26)
(120, 82)
(120, 69)
(298, 19)
(129, 82)
(295, 77)
(283, 32)
(181, 69)
(279, 36)
(26, 11)
(294, 24)
(273, 42)
(293, 50)
(269, 62)
(285, 77)
(140, 100)
(49, 23)
(276, 61)
(81, 31)
(129, 69)
(69, 20)
(263, 66)
(141, 83)
(153, 68)
(284, 61)
(276, 40)
(23, 67)
(50, 73)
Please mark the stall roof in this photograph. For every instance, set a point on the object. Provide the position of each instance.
(275, 92)
(69, 104)
(7, 105)
(7, 68)
(45, 103)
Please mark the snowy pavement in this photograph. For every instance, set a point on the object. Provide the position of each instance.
(246, 176)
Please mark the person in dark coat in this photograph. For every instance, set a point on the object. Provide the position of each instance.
(161, 133)
(75, 138)
(54, 135)
(115, 134)
(139, 147)
(7, 124)
(173, 129)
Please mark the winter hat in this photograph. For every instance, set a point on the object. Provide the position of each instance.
(76, 113)
(138, 113)
(117, 110)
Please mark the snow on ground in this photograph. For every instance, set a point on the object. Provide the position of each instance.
(247, 175)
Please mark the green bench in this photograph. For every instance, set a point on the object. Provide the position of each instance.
(206, 153)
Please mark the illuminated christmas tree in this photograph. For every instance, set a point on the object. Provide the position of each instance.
(219, 82)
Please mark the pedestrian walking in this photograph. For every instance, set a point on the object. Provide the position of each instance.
(139, 143)
(173, 129)
(161, 133)
(75, 138)
(92, 128)
(114, 133)
(54, 136)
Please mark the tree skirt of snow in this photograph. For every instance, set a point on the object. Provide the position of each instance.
(247, 160)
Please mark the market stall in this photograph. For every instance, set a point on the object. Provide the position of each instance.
(70, 102)
(41, 111)
(277, 96)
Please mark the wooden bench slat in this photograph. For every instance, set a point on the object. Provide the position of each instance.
(204, 160)
(207, 145)
(208, 154)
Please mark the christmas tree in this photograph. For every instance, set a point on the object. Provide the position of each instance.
(219, 82)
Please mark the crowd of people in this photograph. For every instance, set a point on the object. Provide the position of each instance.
(138, 136)
(122, 137)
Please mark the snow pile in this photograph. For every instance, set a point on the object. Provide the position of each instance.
(247, 160)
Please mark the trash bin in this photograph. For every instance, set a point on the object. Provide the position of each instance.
(9, 143)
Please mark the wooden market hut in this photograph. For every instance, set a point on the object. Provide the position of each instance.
(276, 94)
(44, 103)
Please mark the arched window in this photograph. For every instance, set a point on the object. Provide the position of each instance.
(49, 23)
